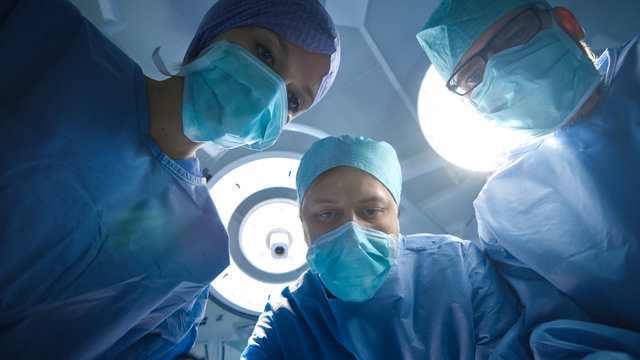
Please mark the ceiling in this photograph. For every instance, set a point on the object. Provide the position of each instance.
(374, 94)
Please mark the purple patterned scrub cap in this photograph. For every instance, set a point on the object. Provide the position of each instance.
(304, 22)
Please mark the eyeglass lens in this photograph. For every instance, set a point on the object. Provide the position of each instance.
(517, 32)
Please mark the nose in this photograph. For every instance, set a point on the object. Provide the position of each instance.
(284, 71)
(352, 216)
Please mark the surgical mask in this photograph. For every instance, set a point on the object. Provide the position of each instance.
(537, 87)
(233, 99)
(352, 261)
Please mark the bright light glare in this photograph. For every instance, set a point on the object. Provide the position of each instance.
(456, 132)
(255, 231)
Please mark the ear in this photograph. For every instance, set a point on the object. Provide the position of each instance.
(569, 23)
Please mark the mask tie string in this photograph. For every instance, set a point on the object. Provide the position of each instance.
(160, 65)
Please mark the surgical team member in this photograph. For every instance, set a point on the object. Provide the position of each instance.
(372, 293)
(108, 236)
(561, 218)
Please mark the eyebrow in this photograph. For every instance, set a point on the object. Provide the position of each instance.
(371, 199)
(327, 201)
(323, 201)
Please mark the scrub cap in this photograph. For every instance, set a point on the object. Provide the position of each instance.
(378, 158)
(456, 24)
(304, 22)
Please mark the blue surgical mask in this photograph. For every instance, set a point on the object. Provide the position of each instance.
(233, 99)
(352, 261)
(537, 87)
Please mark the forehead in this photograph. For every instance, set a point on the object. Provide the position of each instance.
(486, 36)
(338, 184)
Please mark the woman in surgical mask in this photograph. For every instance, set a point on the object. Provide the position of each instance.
(250, 69)
(109, 231)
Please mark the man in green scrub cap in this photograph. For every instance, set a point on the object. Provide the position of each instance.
(560, 217)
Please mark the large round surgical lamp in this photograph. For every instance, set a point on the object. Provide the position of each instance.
(455, 131)
(257, 200)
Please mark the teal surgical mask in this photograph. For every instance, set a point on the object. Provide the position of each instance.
(232, 98)
(537, 87)
(352, 261)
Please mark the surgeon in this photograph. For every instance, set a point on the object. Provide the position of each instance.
(108, 236)
(560, 218)
(371, 292)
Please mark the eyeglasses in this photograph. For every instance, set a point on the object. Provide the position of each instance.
(518, 31)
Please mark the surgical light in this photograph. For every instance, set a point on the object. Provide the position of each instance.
(454, 130)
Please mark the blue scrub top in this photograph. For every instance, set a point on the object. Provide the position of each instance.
(562, 219)
(441, 300)
(107, 246)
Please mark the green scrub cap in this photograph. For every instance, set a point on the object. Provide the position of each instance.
(378, 158)
(455, 24)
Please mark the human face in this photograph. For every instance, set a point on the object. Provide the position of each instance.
(301, 70)
(515, 28)
(345, 194)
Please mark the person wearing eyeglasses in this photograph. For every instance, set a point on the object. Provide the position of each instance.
(560, 218)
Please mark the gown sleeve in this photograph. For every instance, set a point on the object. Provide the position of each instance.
(541, 300)
(571, 339)
(263, 343)
(495, 308)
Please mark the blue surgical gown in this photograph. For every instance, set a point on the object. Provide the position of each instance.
(441, 300)
(107, 246)
(562, 218)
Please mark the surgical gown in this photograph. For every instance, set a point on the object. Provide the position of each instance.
(562, 218)
(107, 246)
(441, 300)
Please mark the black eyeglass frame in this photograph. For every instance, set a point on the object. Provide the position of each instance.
(535, 9)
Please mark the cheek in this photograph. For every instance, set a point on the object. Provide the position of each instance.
(317, 230)
(395, 228)
(307, 237)
(311, 229)
(391, 225)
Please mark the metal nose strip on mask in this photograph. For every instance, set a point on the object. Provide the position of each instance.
(162, 68)
(157, 60)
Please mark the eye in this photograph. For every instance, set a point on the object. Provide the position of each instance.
(264, 54)
(518, 37)
(468, 76)
(293, 103)
(372, 212)
(474, 78)
(326, 214)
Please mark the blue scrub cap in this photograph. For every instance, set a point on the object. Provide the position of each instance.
(378, 158)
(455, 24)
(304, 22)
